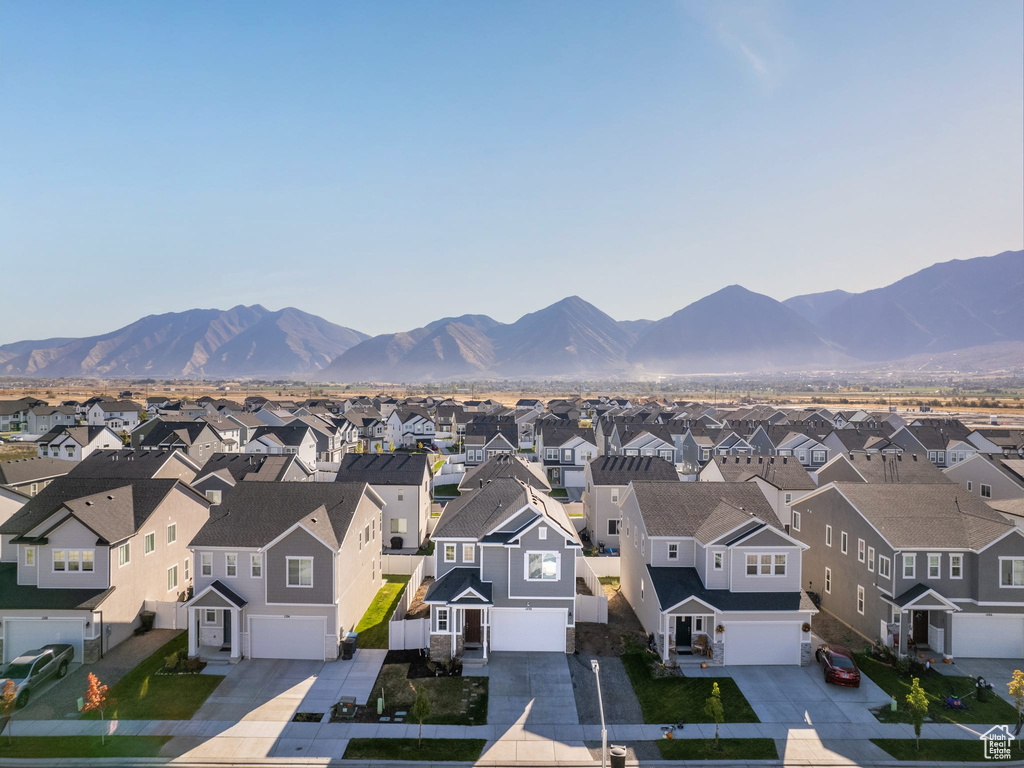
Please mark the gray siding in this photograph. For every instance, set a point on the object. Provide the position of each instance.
(299, 544)
(659, 552)
(518, 586)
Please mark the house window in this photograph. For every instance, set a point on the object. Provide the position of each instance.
(986, 491)
(401, 494)
(932, 457)
(615, 495)
(366, 533)
(970, 485)
(956, 566)
(449, 553)
(468, 553)
(934, 566)
(860, 599)
(567, 454)
(818, 457)
(613, 527)
(442, 619)
(909, 566)
(172, 533)
(718, 561)
(551, 454)
(231, 565)
(796, 520)
(828, 581)
(300, 571)
(186, 564)
(766, 565)
(788, 499)
(871, 559)
(1011, 572)
(30, 556)
(214, 497)
(172, 578)
(360, 541)
(209, 616)
(542, 533)
(399, 525)
(124, 554)
(843, 542)
(673, 551)
(705, 454)
(828, 535)
(641, 589)
(884, 565)
(542, 566)
(149, 543)
(206, 564)
(256, 565)
(860, 550)
(59, 560)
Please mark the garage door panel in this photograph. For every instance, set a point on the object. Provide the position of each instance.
(274, 637)
(762, 643)
(996, 637)
(521, 630)
(22, 635)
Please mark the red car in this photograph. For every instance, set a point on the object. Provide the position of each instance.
(839, 666)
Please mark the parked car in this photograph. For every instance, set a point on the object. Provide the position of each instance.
(33, 668)
(839, 665)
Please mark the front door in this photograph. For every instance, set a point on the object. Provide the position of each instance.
(919, 627)
(226, 642)
(556, 476)
(684, 632)
(471, 627)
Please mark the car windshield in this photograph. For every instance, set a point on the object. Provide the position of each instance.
(16, 671)
(841, 662)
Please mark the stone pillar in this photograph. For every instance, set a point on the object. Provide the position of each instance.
(806, 654)
(718, 649)
(440, 648)
(91, 650)
(570, 639)
(193, 633)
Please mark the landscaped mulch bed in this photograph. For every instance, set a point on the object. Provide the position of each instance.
(417, 608)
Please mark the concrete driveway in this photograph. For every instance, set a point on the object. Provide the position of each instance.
(800, 694)
(275, 689)
(996, 671)
(530, 688)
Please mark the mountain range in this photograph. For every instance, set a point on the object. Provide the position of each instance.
(955, 305)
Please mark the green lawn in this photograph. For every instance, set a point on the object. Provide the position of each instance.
(445, 694)
(26, 747)
(559, 493)
(937, 687)
(612, 581)
(729, 749)
(674, 699)
(437, 466)
(373, 627)
(431, 750)
(447, 491)
(939, 750)
(144, 695)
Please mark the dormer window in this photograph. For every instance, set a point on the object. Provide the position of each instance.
(673, 551)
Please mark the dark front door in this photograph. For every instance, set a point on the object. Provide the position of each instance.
(471, 627)
(919, 627)
(226, 642)
(684, 632)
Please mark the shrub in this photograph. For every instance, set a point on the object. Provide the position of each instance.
(171, 662)
(192, 666)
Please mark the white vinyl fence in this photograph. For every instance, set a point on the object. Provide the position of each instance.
(592, 607)
(409, 634)
(402, 565)
(170, 614)
(603, 566)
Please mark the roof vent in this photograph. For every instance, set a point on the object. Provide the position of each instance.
(312, 519)
(111, 498)
(88, 503)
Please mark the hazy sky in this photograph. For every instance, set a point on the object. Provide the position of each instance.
(384, 164)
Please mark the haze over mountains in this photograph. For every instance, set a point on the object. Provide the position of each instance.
(956, 305)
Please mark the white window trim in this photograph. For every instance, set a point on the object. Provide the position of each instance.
(928, 565)
(844, 543)
(30, 552)
(542, 553)
(443, 615)
(469, 553)
(126, 547)
(670, 554)
(1008, 586)
(828, 581)
(981, 490)
(206, 617)
(205, 561)
(717, 561)
(828, 535)
(454, 551)
(145, 541)
(887, 572)
(174, 569)
(796, 521)
(771, 564)
(227, 557)
(871, 559)
(167, 537)
(542, 533)
(911, 560)
(255, 561)
(861, 551)
(960, 557)
(861, 600)
(288, 570)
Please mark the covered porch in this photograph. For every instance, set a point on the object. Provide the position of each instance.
(215, 624)
(687, 632)
(460, 616)
(920, 622)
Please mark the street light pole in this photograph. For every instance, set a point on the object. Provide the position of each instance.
(600, 703)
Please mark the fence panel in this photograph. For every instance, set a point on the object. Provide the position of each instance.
(592, 608)
(170, 614)
(410, 635)
(603, 566)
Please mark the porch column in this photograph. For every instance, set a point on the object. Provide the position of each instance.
(665, 621)
(901, 646)
(236, 633)
(193, 633)
(485, 622)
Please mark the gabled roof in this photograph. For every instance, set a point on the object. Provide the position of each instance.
(677, 585)
(681, 509)
(129, 464)
(475, 513)
(82, 435)
(505, 465)
(289, 435)
(251, 466)
(21, 471)
(920, 593)
(783, 472)
(890, 469)
(383, 468)
(184, 432)
(460, 586)
(554, 434)
(254, 514)
(622, 470)
(15, 596)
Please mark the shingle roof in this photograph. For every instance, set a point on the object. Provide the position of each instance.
(555, 433)
(82, 435)
(454, 583)
(292, 434)
(887, 468)
(926, 515)
(680, 509)
(185, 432)
(20, 471)
(128, 464)
(383, 468)
(251, 466)
(505, 465)
(784, 472)
(477, 511)
(674, 585)
(15, 596)
(622, 470)
(254, 514)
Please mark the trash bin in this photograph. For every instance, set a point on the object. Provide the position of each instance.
(617, 756)
(348, 645)
(147, 618)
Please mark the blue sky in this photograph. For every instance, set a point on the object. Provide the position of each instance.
(386, 164)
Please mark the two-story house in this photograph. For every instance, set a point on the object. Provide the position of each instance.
(42, 418)
(284, 570)
(223, 471)
(916, 565)
(868, 467)
(197, 439)
(119, 415)
(80, 560)
(606, 480)
(30, 476)
(709, 566)
(565, 452)
(409, 427)
(782, 479)
(505, 558)
(505, 465)
(14, 413)
(294, 438)
(990, 477)
(402, 480)
(76, 443)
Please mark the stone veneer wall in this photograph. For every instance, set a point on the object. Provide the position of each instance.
(805, 654)
(570, 639)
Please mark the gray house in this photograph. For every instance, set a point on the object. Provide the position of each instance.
(505, 560)
(918, 566)
(402, 480)
(283, 570)
(708, 569)
(606, 480)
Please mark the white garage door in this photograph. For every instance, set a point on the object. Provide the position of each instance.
(272, 637)
(994, 637)
(762, 643)
(516, 629)
(22, 635)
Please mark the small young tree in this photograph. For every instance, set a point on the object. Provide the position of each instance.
(917, 702)
(1016, 686)
(8, 701)
(96, 698)
(714, 709)
(420, 711)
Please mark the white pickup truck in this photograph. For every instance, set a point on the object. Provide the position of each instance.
(33, 668)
